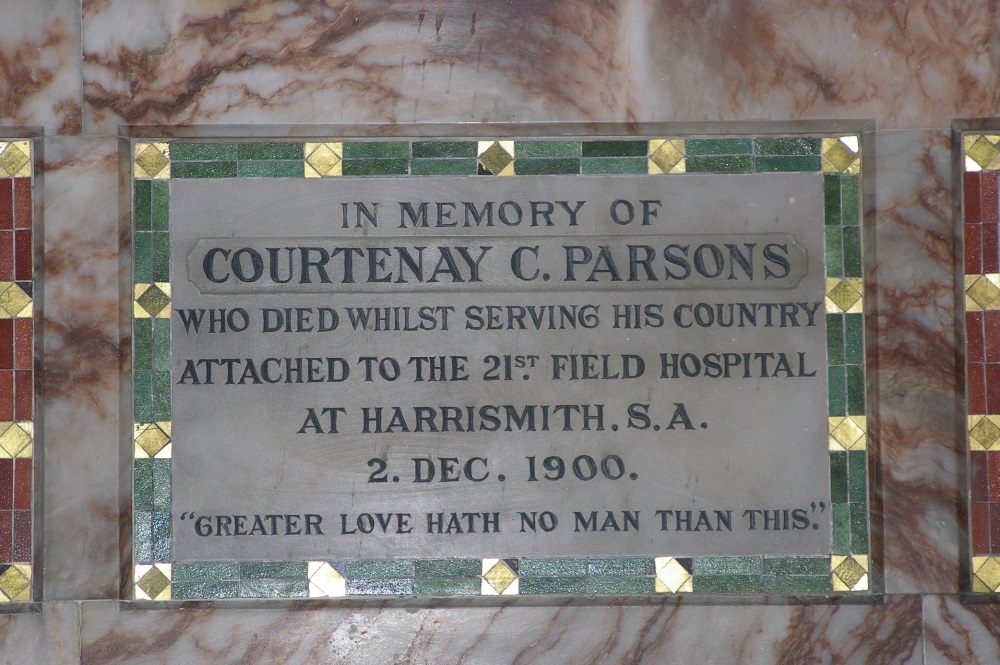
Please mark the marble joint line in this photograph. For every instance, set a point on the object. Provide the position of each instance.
(158, 577)
(17, 422)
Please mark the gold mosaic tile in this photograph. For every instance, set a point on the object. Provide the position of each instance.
(14, 302)
(324, 160)
(981, 292)
(152, 440)
(848, 433)
(844, 295)
(499, 579)
(15, 159)
(671, 576)
(497, 157)
(15, 583)
(151, 160)
(152, 582)
(666, 156)
(984, 432)
(325, 581)
(850, 573)
(841, 155)
(981, 152)
(986, 574)
(152, 300)
(15, 439)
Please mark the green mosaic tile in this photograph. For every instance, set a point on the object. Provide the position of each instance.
(203, 590)
(553, 567)
(160, 205)
(161, 257)
(859, 528)
(855, 390)
(831, 199)
(838, 477)
(618, 166)
(622, 585)
(696, 147)
(142, 485)
(841, 529)
(205, 571)
(565, 166)
(857, 475)
(142, 205)
(615, 149)
(376, 149)
(274, 589)
(447, 587)
(143, 396)
(834, 251)
(142, 343)
(201, 151)
(727, 565)
(161, 484)
(721, 164)
(269, 169)
(272, 151)
(726, 583)
(835, 339)
(443, 167)
(142, 266)
(788, 146)
(380, 587)
(797, 565)
(267, 570)
(447, 567)
(424, 149)
(855, 340)
(161, 344)
(788, 164)
(837, 390)
(161, 537)
(161, 396)
(534, 149)
(142, 537)
(549, 585)
(852, 251)
(803, 584)
(379, 569)
(371, 167)
(203, 169)
(849, 200)
(621, 567)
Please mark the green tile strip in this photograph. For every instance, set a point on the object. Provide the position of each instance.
(452, 577)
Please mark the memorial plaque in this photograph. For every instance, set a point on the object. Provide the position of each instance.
(633, 367)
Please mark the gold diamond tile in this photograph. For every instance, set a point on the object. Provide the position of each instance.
(984, 432)
(981, 152)
(153, 582)
(840, 155)
(844, 295)
(497, 157)
(324, 160)
(15, 439)
(671, 576)
(850, 573)
(848, 433)
(153, 300)
(666, 156)
(151, 438)
(13, 300)
(982, 291)
(986, 571)
(152, 160)
(498, 578)
(15, 582)
(325, 581)
(14, 158)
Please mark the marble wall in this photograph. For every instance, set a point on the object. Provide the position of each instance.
(81, 72)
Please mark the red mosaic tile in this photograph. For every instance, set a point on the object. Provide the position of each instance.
(23, 395)
(992, 388)
(992, 333)
(980, 528)
(974, 352)
(6, 344)
(22, 203)
(973, 249)
(6, 484)
(6, 395)
(988, 197)
(970, 187)
(6, 535)
(979, 475)
(21, 550)
(991, 254)
(22, 343)
(6, 256)
(22, 484)
(993, 463)
(994, 527)
(976, 379)
(22, 255)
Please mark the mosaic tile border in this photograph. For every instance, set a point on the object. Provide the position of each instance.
(17, 371)
(845, 570)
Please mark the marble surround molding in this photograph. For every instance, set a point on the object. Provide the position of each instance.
(79, 71)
